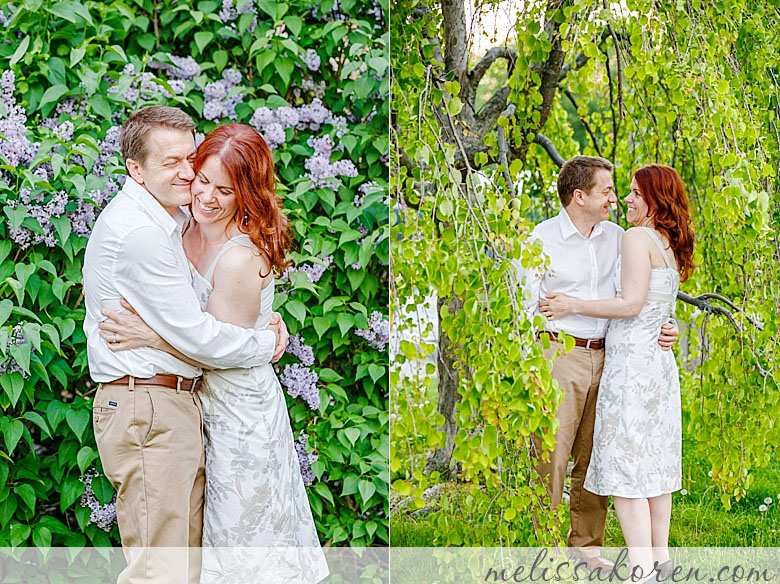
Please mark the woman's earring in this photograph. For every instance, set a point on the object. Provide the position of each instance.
(246, 218)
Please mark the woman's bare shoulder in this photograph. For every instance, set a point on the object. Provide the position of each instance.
(242, 264)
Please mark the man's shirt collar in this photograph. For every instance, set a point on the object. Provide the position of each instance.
(568, 229)
(156, 211)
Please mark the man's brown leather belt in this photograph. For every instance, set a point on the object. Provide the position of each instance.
(162, 380)
(578, 342)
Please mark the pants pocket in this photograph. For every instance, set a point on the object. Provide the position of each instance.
(144, 422)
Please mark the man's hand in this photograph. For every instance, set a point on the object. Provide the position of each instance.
(282, 336)
(668, 337)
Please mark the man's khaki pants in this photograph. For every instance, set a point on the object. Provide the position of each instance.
(578, 374)
(150, 441)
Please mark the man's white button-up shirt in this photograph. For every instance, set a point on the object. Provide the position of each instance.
(580, 267)
(135, 252)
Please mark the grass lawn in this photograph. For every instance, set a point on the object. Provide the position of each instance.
(698, 517)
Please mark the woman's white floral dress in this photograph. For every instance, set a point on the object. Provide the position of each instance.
(255, 496)
(637, 439)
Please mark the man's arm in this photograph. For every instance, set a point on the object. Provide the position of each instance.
(149, 276)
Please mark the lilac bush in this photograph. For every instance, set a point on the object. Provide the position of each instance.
(314, 83)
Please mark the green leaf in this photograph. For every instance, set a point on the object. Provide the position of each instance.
(102, 489)
(367, 490)
(76, 55)
(294, 24)
(345, 322)
(100, 106)
(5, 310)
(296, 309)
(202, 39)
(53, 335)
(12, 431)
(284, 67)
(78, 420)
(71, 491)
(38, 420)
(324, 492)
(32, 333)
(27, 494)
(52, 95)
(41, 536)
(350, 485)
(321, 325)
(21, 354)
(16, 215)
(12, 383)
(376, 371)
(85, 457)
(352, 435)
(20, 51)
(220, 59)
(328, 375)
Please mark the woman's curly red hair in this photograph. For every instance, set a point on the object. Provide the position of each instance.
(248, 162)
(664, 192)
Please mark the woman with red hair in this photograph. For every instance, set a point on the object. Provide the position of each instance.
(235, 241)
(637, 438)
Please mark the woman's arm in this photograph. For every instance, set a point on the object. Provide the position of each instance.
(635, 281)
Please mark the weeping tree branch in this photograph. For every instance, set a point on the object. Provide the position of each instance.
(568, 94)
(502, 149)
(701, 303)
(621, 107)
(545, 143)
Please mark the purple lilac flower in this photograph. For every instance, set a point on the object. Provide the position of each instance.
(42, 213)
(215, 90)
(16, 149)
(377, 12)
(15, 339)
(305, 459)
(355, 266)
(378, 332)
(311, 59)
(301, 350)
(183, 67)
(104, 516)
(312, 115)
(301, 381)
(199, 137)
(65, 131)
(286, 116)
(6, 20)
(214, 110)
(273, 134)
(262, 117)
(231, 77)
(229, 13)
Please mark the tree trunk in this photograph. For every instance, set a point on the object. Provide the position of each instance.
(440, 459)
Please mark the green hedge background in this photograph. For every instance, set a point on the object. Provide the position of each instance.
(313, 79)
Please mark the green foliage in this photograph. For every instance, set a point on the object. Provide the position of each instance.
(459, 237)
(91, 64)
(694, 96)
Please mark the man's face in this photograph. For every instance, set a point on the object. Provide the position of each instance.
(167, 171)
(601, 197)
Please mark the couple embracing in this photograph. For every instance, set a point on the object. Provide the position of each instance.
(614, 291)
(178, 285)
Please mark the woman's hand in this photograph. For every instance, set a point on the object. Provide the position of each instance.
(127, 331)
(556, 306)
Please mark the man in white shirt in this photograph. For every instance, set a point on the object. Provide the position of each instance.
(147, 415)
(583, 247)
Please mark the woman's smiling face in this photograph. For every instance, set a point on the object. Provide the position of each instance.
(213, 194)
(637, 206)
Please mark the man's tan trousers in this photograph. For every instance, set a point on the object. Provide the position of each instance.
(150, 441)
(578, 374)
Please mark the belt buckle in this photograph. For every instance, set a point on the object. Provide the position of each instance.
(587, 343)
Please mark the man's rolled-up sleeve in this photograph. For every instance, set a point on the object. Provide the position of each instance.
(149, 276)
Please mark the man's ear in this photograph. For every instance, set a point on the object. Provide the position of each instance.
(578, 196)
(134, 170)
